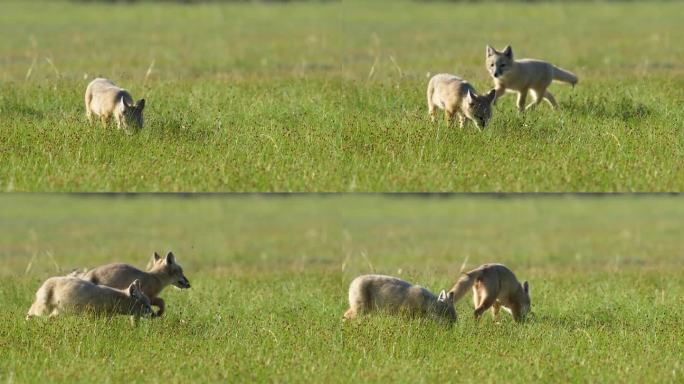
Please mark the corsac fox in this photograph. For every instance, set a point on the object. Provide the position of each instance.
(495, 286)
(106, 100)
(457, 97)
(370, 293)
(163, 271)
(65, 294)
(524, 75)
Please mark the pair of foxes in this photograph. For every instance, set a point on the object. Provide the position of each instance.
(494, 286)
(110, 289)
(457, 97)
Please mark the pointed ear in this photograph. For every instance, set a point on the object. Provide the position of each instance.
(170, 258)
(122, 104)
(471, 95)
(489, 51)
(508, 52)
(140, 104)
(490, 96)
(442, 296)
(450, 296)
(133, 289)
(155, 257)
(526, 287)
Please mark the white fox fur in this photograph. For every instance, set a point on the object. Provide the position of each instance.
(457, 97)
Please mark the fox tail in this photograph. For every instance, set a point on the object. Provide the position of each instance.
(463, 285)
(564, 76)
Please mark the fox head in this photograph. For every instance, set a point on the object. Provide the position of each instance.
(445, 306)
(142, 306)
(132, 113)
(169, 270)
(498, 63)
(479, 108)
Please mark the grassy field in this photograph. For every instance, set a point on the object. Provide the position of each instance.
(270, 278)
(330, 97)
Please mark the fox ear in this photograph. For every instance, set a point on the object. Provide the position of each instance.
(134, 288)
(122, 104)
(490, 95)
(140, 104)
(442, 296)
(156, 256)
(508, 52)
(489, 51)
(170, 258)
(526, 287)
(450, 296)
(471, 95)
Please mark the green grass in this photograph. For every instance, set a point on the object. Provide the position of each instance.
(270, 278)
(330, 97)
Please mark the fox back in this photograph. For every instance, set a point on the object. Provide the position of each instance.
(105, 99)
(71, 294)
(369, 293)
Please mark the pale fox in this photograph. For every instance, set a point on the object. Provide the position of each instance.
(106, 100)
(163, 271)
(495, 286)
(523, 76)
(370, 293)
(66, 294)
(457, 97)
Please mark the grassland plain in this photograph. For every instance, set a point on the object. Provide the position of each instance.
(331, 97)
(270, 279)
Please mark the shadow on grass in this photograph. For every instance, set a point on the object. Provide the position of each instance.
(625, 108)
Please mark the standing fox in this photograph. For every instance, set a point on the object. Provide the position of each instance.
(456, 96)
(65, 294)
(105, 99)
(494, 285)
(369, 293)
(524, 75)
(163, 272)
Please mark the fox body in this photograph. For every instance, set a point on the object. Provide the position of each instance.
(162, 272)
(457, 97)
(65, 294)
(370, 293)
(104, 99)
(495, 286)
(523, 76)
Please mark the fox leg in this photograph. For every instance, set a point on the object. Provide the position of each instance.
(538, 97)
(550, 99)
(522, 95)
(495, 310)
(461, 120)
(431, 112)
(104, 119)
(158, 302)
(488, 301)
(350, 314)
(499, 91)
(449, 116)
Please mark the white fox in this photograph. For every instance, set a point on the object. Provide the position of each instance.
(524, 75)
(495, 286)
(104, 99)
(162, 272)
(64, 294)
(370, 293)
(457, 97)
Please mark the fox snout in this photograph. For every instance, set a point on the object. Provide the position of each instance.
(183, 283)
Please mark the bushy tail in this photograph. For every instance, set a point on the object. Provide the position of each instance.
(43, 304)
(564, 76)
(463, 285)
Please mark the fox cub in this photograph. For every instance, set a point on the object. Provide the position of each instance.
(456, 96)
(495, 286)
(66, 294)
(104, 99)
(523, 76)
(370, 293)
(163, 271)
